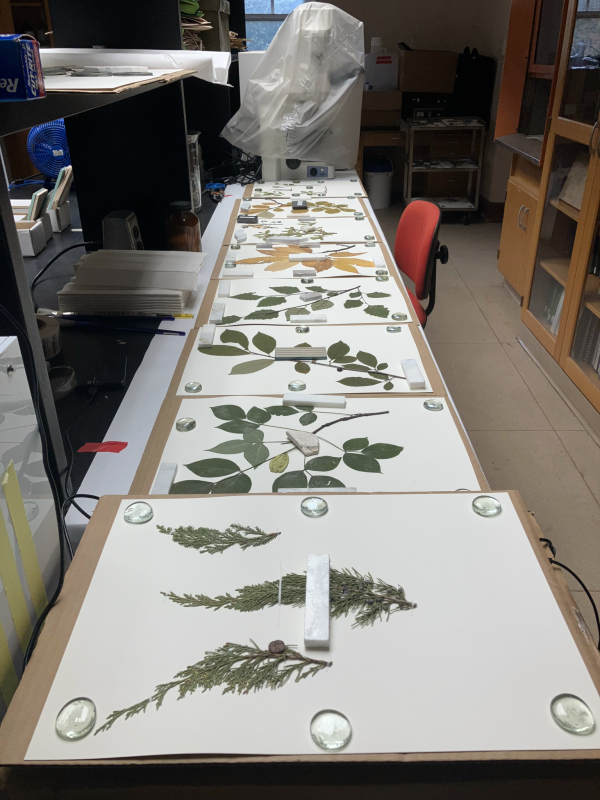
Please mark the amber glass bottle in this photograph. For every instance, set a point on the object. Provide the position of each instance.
(183, 227)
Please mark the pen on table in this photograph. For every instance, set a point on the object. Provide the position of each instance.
(67, 323)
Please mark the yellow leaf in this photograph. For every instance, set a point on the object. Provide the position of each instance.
(277, 266)
(359, 262)
(346, 267)
(279, 463)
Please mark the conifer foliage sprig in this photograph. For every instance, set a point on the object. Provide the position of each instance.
(350, 592)
(240, 668)
(212, 541)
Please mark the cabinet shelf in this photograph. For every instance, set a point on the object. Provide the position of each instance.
(558, 268)
(591, 298)
(566, 208)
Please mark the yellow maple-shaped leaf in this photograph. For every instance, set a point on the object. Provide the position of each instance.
(359, 262)
(277, 266)
(321, 266)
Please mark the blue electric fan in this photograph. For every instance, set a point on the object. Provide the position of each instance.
(48, 149)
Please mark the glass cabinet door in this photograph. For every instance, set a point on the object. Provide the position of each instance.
(568, 174)
(585, 350)
(581, 96)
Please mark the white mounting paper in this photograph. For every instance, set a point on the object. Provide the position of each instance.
(434, 456)
(340, 229)
(475, 665)
(272, 261)
(214, 371)
(370, 290)
(337, 187)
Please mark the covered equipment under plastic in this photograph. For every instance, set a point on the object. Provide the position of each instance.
(303, 100)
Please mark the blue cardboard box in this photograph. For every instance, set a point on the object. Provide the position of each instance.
(21, 76)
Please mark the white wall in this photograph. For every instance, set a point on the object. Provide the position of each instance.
(446, 25)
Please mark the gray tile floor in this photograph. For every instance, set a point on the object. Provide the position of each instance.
(525, 435)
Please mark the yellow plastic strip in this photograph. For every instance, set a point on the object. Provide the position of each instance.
(18, 515)
(13, 588)
(8, 674)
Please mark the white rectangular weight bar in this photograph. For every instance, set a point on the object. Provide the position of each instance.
(316, 608)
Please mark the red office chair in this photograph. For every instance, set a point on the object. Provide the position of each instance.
(417, 251)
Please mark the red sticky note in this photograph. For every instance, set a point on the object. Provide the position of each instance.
(103, 447)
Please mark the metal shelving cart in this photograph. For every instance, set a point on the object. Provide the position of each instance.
(444, 157)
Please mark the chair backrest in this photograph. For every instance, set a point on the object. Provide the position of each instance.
(417, 242)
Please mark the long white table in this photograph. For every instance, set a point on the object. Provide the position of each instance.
(112, 473)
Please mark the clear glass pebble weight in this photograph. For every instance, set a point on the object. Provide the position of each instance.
(76, 719)
(572, 714)
(433, 405)
(193, 387)
(369, 238)
(230, 264)
(314, 506)
(236, 247)
(381, 272)
(302, 329)
(486, 506)
(296, 386)
(185, 424)
(370, 244)
(138, 513)
(400, 317)
(330, 730)
(307, 280)
(394, 329)
(381, 278)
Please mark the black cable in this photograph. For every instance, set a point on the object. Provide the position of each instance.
(550, 545)
(585, 589)
(38, 277)
(53, 478)
(92, 393)
(71, 500)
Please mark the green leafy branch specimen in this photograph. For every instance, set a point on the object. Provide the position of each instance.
(212, 541)
(349, 592)
(312, 231)
(241, 668)
(273, 300)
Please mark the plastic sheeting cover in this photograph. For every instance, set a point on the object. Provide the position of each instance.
(303, 100)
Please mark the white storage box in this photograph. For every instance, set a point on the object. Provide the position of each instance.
(32, 237)
(381, 71)
(61, 217)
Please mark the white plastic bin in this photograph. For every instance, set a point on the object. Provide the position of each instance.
(377, 179)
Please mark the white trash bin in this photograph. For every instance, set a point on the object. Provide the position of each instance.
(378, 183)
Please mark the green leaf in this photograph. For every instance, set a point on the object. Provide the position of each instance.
(338, 350)
(245, 296)
(307, 419)
(361, 463)
(212, 467)
(357, 368)
(366, 358)
(280, 463)
(246, 367)
(354, 294)
(253, 436)
(281, 411)
(382, 450)
(356, 444)
(258, 415)
(294, 312)
(388, 386)
(353, 303)
(271, 301)
(238, 484)
(257, 454)
(358, 382)
(303, 344)
(235, 336)
(228, 412)
(285, 289)
(265, 314)
(323, 481)
(237, 426)
(377, 311)
(264, 343)
(345, 360)
(323, 463)
(378, 294)
(321, 305)
(230, 320)
(191, 487)
(290, 480)
(222, 350)
(229, 447)
(302, 367)
(305, 408)
(381, 366)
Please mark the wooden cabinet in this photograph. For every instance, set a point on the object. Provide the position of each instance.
(562, 303)
(517, 235)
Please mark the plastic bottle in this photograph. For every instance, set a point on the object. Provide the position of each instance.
(183, 227)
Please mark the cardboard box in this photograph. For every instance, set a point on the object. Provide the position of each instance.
(382, 101)
(216, 12)
(427, 71)
(21, 75)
